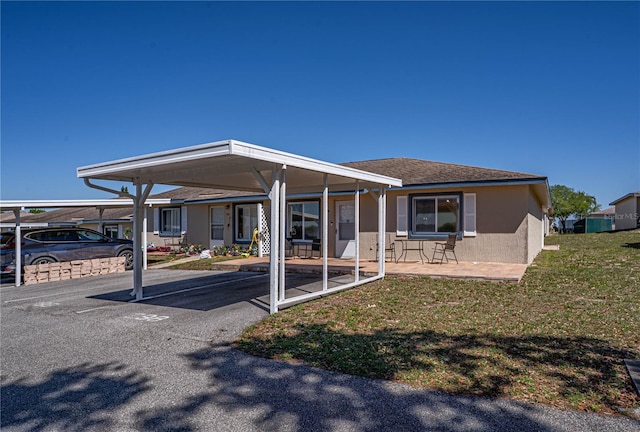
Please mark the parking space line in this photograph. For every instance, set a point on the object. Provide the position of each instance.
(92, 309)
(46, 295)
(197, 288)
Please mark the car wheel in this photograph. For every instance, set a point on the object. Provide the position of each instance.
(128, 258)
(43, 260)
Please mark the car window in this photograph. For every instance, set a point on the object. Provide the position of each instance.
(53, 236)
(6, 238)
(89, 236)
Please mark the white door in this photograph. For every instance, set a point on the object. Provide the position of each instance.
(345, 229)
(217, 227)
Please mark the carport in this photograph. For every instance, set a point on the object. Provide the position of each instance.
(100, 204)
(235, 165)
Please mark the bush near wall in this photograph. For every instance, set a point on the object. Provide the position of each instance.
(58, 271)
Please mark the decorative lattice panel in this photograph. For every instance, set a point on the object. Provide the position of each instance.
(266, 226)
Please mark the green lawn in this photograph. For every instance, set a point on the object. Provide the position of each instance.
(558, 338)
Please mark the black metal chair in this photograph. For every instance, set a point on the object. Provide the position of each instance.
(316, 246)
(443, 248)
(389, 249)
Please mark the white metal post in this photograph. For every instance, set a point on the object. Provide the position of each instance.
(283, 219)
(100, 221)
(18, 248)
(357, 229)
(144, 239)
(274, 196)
(325, 233)
(382, 199)
(138, 204)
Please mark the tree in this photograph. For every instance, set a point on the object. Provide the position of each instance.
(35, 210)
(124, 189)
(567, 202)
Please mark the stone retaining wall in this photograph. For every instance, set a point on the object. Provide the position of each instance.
(58, 271)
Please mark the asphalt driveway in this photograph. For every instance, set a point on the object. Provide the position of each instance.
(77, 356)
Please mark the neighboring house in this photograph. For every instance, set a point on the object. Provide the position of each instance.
(499, 215)
(627, 211)
(599, 221)
(116, 222)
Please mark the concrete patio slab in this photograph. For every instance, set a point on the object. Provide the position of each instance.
(487, 271)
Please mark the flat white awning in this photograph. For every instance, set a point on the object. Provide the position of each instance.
(100, 204)
(230, 165)
(236, 165)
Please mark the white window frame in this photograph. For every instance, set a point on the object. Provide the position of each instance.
(252, 207)
(412, 208)
(176, 221)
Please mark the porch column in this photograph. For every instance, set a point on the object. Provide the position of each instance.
(274, 197)
(325, 233)
(382, 200)
(144, 238)
(283, 220)
(137, 240)
(18, 248)
(357, 229)
(100, 221)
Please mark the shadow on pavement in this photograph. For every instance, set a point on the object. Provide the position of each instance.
(274, 396)
(74, 399)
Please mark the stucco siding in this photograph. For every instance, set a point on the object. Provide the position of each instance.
(198, 229)
(502, 225)
(535, 221)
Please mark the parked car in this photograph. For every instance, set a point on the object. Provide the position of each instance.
(46, 245)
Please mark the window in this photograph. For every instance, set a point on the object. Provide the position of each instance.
(217, 223)
(111, 231)
(303, 220)
(434, 214)
(246, 221)
(170, 221)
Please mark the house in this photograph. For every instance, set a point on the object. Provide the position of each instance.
(627, 211)
(500, 216)
(115, 222)
(599, 221)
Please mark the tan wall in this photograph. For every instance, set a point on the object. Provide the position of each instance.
(198, 225)
(535, 226)
(508, 222)
(627, 213)
(502, 224)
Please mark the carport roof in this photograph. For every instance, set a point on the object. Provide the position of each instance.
(225, 165)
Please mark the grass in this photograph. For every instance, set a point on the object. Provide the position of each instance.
(203, 264)
(557, 338)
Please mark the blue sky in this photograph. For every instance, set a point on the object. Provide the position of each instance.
(550, 88)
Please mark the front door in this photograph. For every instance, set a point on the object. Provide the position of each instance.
(345, 229)
(217, 227)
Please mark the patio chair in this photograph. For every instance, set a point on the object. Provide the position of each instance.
(443, 248)
(389, 249)
(316, 246)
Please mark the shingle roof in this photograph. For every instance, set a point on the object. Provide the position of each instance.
(418, 171)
